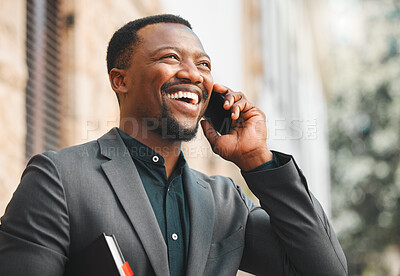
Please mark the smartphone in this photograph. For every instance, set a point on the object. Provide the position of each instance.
(216, 115)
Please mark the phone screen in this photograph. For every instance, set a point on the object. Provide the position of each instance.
(216, 115)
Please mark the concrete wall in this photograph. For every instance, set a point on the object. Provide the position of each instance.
(13, 76)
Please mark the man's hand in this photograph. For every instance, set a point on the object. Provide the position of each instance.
(245, 145)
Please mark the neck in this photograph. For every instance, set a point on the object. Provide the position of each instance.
(168, 149)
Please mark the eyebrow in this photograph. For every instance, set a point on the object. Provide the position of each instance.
(199, 54)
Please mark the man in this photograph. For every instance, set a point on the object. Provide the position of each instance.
(135, 183)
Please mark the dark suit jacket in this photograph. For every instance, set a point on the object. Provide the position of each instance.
(68, 198)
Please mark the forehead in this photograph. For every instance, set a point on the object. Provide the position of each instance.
(163, 35)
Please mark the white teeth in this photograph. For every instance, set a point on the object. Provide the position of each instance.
(188, 95)
(195, 98)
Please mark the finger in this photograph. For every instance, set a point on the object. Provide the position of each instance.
(219, 88)
(232, 97)
(236, 109)
(210, 133)
(239, 108)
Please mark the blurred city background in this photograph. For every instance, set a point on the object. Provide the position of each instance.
(326, 73)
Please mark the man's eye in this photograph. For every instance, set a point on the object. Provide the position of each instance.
(171, 56)
(206, 64)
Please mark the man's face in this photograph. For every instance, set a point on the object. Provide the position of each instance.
(169, 80)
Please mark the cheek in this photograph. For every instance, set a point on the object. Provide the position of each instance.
(208, 83)
(161, 74)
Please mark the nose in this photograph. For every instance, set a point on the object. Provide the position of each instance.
(189, 72)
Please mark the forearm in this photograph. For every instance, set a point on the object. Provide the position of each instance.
(297, 219)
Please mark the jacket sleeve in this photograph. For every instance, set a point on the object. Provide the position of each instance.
(34, 231)
(290, 234)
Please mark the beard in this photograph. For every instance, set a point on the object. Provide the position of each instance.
(176, 131)
(170, 129)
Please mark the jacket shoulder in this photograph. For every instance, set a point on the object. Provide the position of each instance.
(86, 150)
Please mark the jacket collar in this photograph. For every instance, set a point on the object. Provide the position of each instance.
(128, 187)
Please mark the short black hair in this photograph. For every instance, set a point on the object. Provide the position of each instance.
(120, 47)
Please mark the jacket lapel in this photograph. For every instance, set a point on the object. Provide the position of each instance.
(201, 210)
(126, 182)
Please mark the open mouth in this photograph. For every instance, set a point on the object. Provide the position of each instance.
(188, 97)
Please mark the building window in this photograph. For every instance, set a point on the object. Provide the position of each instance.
(43, 87)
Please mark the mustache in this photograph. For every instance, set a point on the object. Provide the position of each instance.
(167, 85)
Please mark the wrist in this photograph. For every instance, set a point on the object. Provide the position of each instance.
(254, 159)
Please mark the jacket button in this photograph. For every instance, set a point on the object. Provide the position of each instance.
(174, 236)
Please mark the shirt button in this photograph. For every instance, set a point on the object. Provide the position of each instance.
(174, 236)
(155, 158)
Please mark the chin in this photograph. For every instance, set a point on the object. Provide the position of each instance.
(179, 132)
(177, 129)
(174, 130)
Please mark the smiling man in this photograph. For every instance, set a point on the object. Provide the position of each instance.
(134, 182)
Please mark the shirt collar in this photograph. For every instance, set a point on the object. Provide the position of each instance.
(140, 151)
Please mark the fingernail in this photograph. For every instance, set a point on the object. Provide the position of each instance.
(233, 114)
(226, 102)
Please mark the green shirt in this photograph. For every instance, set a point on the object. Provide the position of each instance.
(167, 198)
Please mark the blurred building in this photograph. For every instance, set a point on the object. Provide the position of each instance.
(292, 90)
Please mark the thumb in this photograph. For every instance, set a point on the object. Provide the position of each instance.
(210, 133)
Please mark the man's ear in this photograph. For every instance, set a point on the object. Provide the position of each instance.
(118, 80)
